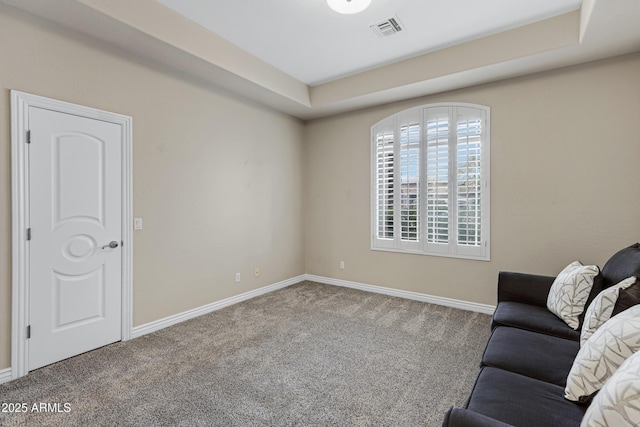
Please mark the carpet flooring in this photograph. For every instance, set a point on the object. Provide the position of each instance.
(306, 355)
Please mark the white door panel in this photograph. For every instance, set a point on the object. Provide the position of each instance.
(75, 212)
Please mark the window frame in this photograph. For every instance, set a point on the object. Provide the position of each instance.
(451, 249)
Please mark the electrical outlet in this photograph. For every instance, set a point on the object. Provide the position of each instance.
(341, 265)
(237, 277)
(256, 272)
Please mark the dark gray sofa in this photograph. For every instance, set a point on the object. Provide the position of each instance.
(530, 352)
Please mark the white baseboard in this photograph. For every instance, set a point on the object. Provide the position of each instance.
(432, 299)
(5, 375)
(147, 328)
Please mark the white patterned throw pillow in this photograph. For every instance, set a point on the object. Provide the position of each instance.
(618, 403)
(601, 308)
(570, 291)
(609, 346)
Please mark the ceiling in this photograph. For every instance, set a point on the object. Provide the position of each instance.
(303, 59)
(314, 44)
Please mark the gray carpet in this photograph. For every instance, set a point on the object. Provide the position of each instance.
(308, 355)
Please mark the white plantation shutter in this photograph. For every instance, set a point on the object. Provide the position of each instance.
(437, 170)
(410, 181)
(385, 183)
(431, 174)
(469, 181)
(469, 190)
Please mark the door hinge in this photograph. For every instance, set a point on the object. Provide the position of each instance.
(29, 137)
(28, 234)
(28, 331)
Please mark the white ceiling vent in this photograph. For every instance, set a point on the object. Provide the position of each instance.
(388, 27)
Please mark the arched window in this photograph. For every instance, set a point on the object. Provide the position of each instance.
(430, 181)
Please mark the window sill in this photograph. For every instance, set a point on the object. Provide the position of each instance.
(486, 258)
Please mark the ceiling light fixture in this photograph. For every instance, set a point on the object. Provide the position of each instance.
(348, 7)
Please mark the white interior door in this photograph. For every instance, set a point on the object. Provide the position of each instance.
(75, 282)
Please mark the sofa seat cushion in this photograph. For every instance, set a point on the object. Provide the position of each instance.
(459, 417)
(522, 401)
(543, 357)
(533, 318)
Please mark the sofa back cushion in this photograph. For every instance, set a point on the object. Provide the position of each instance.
(627, 298)
(624, 263)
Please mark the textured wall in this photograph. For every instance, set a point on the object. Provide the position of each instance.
(218, 181)
(564, 176)
(224, 185)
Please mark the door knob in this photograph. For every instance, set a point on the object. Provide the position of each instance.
(111, 245)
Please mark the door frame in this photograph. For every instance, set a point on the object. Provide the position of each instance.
(20, 103)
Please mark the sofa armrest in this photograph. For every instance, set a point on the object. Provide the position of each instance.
(459, 417)
(526, 288)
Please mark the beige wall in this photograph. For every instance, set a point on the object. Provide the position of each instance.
(224, 185)
(564, 182)
(218, 181)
